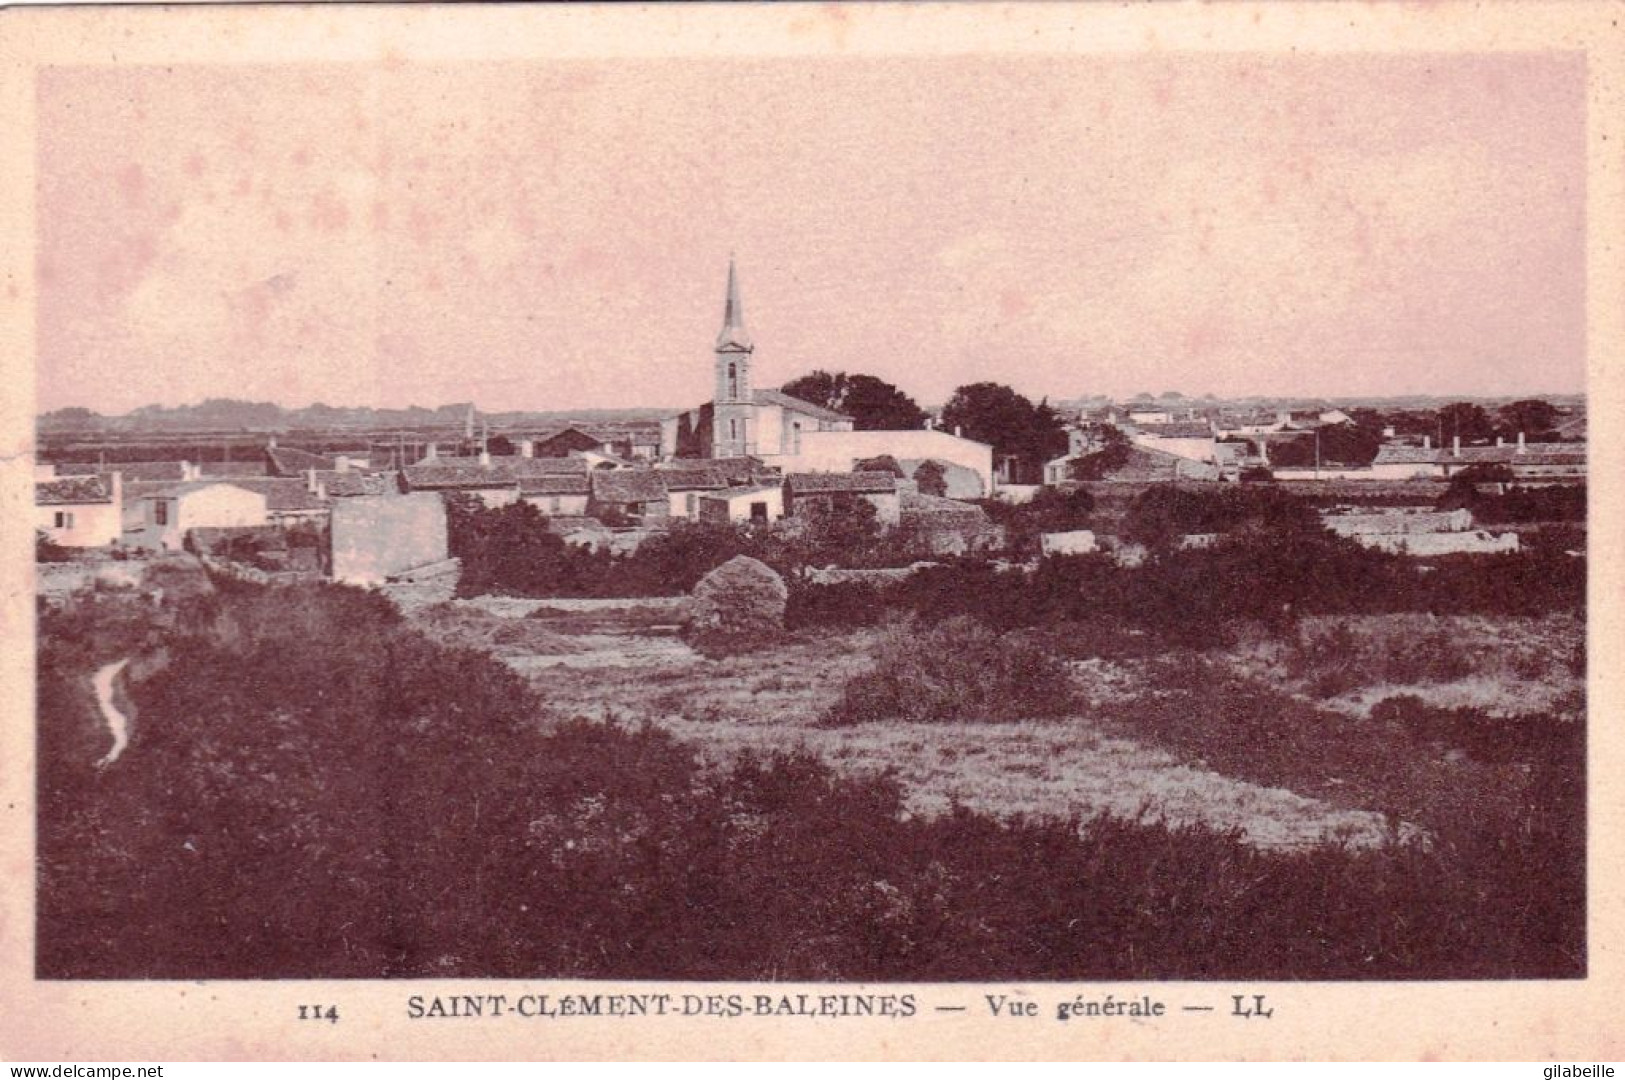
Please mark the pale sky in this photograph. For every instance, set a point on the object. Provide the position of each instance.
(556, 235)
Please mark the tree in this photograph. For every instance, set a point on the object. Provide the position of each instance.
(995, 414)
(1531, 417)
(1339, 445)
(931, 478)
(1113, 455)
(873, 404)
(818, 387)
(884, 463)
(1465, 420)
(48, 550)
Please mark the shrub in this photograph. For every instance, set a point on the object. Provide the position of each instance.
(737, 607)
(957, 670)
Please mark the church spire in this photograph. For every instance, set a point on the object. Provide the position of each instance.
(733, 337)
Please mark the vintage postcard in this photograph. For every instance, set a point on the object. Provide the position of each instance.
(761, 531)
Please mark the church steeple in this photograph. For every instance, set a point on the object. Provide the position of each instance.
(733, 406)
(733, 336)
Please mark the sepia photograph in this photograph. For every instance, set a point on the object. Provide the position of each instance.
(849, 516)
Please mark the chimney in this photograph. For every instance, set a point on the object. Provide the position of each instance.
(1427, 442)
(1522, 449)
(527, 447)
(1455, 446)
(431, 454)
(115, 481)
(1500, 442)
(311, 484)
(485, 459)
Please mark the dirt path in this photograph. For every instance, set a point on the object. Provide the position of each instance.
(117, 723)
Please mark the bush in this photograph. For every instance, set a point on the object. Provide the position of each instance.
(737, 607)
(958, 670)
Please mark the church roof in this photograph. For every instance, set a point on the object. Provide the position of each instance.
(795, 404)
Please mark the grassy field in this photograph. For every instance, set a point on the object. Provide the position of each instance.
(1134, 747)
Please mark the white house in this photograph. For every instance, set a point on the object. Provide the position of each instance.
(80, 511)
(170, 512)
(764, 502)
(839, 451)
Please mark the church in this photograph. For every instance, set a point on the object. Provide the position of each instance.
(740, 420)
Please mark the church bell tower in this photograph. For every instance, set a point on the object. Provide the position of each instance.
(733, 405)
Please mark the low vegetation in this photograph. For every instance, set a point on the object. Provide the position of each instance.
(956, 670)
(313, 788)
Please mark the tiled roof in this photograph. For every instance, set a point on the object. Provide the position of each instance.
(348, 484)
(290, 460)
(1408, 455)
(738, 470)
(564, 524)
(282, 494)
(130, 470)
(686, 479)
(555, 484)
(628, 486)
(1547, 454)
(858, 483)
(1193, 429)
(914, 503)
(735, 492)
(468, 473)
(233, 468)
(795, 404)
(72, 490)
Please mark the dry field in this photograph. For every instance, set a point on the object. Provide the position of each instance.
(622, 661)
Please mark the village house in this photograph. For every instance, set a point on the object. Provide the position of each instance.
(685, 486)
(1073, 542)
(171, 511)
(941, 526)
(636, 496)
(879, 489)
(495, 481)
(753, 504)
(1418, 532)
(1545, 461)
(557, 494)
(80, 511)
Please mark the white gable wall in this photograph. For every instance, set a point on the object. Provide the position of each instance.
(838, 451)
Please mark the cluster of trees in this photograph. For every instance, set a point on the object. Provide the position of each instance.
(873, 404)
(1256, 576)
(1015, 427)
(988, 412)
(313, 789)
(509, 550)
